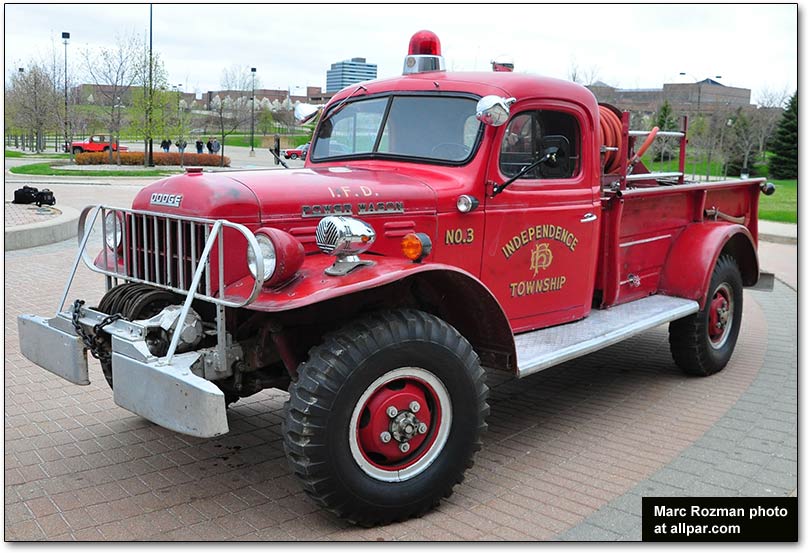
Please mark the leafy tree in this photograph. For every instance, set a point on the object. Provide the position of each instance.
(666, 121)
(265, 121)
(113, 68)
(32, 101)
(229, 114)
(783, 163)
(743, 142)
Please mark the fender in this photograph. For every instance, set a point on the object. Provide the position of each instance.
(446, 291)
(692, 258)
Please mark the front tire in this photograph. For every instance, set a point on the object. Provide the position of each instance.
(293, 156)
(702, 343)
(386, 416)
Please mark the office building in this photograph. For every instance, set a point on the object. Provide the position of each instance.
(348, 72)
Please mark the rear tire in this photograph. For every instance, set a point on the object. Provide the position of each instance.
(702, 343)
(341, 439)
(77, 151)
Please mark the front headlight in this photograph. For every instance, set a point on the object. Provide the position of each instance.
(268, 253)
(113, 230)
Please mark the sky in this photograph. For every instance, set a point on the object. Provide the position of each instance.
(292, 45)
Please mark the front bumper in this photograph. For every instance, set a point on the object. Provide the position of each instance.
(166, 394)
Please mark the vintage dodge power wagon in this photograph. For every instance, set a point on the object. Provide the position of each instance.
(443, 223)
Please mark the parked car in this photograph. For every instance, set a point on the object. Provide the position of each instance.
(96, 143)
(294, 153)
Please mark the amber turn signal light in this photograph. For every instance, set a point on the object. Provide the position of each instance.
(416, 246)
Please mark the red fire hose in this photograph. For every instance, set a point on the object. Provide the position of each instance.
(611, 136)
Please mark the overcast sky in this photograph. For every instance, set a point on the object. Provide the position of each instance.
(292, 44)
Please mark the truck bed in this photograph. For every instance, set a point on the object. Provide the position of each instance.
(640, 226)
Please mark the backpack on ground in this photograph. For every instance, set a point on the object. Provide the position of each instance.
(25, 195)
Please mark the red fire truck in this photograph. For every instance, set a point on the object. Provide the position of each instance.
(443, 223)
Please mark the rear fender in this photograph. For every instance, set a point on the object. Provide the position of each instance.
(450, 293)
(692, 258)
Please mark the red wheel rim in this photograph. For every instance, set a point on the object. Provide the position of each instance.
(400, 424)
(719, 321)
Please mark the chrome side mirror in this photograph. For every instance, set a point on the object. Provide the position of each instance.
(494, 110)
(304, 112)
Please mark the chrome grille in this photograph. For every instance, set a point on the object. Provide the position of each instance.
(166, 251)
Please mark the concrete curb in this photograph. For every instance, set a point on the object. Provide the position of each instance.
(777, 239)
(46, 232)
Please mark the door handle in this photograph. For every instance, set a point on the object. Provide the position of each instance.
(589, 217)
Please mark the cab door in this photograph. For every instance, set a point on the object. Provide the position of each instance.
(541, 232)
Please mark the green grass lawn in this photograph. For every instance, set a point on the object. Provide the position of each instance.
(782, 205)
(260, 140)
(18, 154)
(45, 169)
(691, 167)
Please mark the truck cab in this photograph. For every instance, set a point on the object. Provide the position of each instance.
(443, 224)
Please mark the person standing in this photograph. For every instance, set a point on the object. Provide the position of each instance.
(199, 145)
(216, 146)
(210, 145)
(181, 145)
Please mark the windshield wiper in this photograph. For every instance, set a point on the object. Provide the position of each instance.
(334, 111)
(549, 156)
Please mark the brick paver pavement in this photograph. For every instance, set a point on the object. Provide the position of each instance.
(567, 452)
(23, 214)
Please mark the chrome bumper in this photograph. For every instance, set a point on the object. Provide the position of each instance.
(166, 394)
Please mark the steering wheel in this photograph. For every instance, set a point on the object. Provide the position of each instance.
(451, 148)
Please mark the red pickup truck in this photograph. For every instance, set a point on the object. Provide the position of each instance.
(96, 143)
(443, 223)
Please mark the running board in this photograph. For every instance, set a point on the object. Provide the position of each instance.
(542, 349)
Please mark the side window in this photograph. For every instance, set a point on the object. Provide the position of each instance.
(522, 143)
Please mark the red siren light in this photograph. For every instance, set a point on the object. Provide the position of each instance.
(424, 43)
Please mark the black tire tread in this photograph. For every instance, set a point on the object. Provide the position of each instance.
(320, 378)
(686, 336)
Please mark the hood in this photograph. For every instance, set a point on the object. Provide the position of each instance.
(315, 193)
(208, 195)
(273, 195)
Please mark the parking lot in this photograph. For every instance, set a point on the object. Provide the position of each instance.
(568, 455)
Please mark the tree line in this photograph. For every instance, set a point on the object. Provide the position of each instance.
(735, 140)
(132, 95)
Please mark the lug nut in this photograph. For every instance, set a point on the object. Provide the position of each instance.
(415, 407)
(392, 411)
(385, 437)
(422, 428)
(405, 447)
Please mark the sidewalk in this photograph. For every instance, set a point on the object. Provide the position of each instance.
(783, 233)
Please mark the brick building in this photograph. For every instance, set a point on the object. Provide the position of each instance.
(704, 97)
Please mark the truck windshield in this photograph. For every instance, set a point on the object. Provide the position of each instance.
(442, 129)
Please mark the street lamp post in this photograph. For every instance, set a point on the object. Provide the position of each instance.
(65, 39)
(21, 71)
(150, 103)
(252, 115)
(698, 104)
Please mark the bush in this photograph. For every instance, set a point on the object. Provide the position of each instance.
(160, 158)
